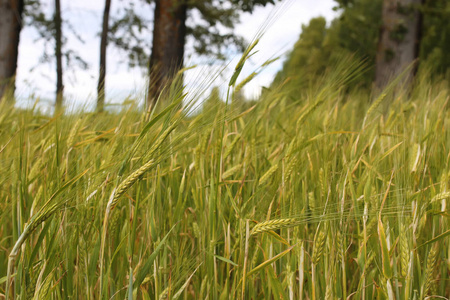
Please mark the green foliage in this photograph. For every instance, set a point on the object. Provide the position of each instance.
(320, 48)
(355, 33)
(436, 38)
(249, 5)
(309, 57)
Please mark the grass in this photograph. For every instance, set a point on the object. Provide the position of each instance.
(320, 197)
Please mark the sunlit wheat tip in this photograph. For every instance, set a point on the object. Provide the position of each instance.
(441, 196)
(429, 272)
(129, 181)
(272, 225)
(404, 251)
(230, 172)
(319, 243)
(414, 158)
(268, 174)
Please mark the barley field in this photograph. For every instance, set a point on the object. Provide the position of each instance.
(335, 194)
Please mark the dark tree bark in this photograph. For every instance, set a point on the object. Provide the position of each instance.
(399, 41)
(58, 54)
(169, 35)
(10, 27)
(102, 70)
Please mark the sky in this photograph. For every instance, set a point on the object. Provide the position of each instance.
(280, 23)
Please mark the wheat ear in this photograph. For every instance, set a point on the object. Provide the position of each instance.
(272, 225)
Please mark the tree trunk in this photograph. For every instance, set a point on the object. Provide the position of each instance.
(10, 26)
(58, 54)
(102, 70)
(399, 41)
(169, 34)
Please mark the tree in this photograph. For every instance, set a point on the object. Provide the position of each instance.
(308, 58)
(170, 32)
(319, 49)
(58, 56)
(356, 31)
(102, 69)
(50, 27)
(398, 45)
(10, 27)
(126, 30)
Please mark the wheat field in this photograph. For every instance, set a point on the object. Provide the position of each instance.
(336, 194)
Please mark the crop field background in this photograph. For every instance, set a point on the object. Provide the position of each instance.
(328, 196)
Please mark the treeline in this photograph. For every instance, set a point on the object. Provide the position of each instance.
(210, 30)
(388, 36)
